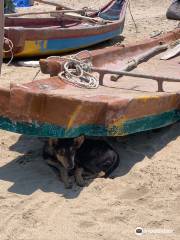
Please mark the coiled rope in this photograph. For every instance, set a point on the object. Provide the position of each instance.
(11, 46)
(78, 71)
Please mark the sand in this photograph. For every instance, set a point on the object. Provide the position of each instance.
(145, 191)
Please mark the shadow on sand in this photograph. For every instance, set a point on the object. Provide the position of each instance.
(29, 173)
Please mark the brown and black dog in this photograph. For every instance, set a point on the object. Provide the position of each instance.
(60, 153)
(81, 157)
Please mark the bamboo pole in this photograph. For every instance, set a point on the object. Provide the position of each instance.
(1, 31)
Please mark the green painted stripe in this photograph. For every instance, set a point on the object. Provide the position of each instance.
(128, 127)
(146, 123)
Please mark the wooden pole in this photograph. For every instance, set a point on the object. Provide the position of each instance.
(56, 13)
(1, 31)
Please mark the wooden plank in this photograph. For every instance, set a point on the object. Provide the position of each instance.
(52, 13)
(63, 14)
(1, 31)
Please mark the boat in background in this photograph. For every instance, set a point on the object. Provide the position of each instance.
(53, 108)
(63, 31)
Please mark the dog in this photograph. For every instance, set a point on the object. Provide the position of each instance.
(60, 153)
(83, 158)
(95, 158)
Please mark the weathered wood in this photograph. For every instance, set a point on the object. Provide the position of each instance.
(63, 14)
(52, 13)
(1, 31)
(159, 79)
(140, 58)
(78, 17)
(171, 53)
(53, 3)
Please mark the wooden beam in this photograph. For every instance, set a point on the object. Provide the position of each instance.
(1, 31)
(53, 13)
(78, 17)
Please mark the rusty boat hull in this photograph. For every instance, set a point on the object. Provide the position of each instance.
(55, 35)
(53, 108)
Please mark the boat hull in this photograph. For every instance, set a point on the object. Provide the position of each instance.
(123, 128)
(57, 46)
(53, 108)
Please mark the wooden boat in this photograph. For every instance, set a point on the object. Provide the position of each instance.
(54, 108)
(63, 31)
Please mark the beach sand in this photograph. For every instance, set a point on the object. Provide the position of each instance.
(145, 191)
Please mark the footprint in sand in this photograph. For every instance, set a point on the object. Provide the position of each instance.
(135, 193)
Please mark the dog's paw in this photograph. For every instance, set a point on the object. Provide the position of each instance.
(68, 185)
(80, 182)
(101, 174)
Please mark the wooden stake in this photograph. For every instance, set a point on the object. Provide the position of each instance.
(1, 31)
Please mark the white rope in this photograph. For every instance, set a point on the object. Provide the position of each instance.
(78, 71)
(11, 46)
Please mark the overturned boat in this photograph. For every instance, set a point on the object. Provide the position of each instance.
(63, 30)
(127, 89)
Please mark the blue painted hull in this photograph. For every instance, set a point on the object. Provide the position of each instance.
(55, 46)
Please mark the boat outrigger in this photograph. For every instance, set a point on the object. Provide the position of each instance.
(64, 30)
(126, 101)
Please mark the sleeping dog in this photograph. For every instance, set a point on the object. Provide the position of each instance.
(80, 157)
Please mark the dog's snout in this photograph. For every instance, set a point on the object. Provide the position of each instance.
(71, 166)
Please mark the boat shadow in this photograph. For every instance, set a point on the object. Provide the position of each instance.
(135, 148)
(29, 173)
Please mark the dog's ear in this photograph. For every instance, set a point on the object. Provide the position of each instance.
(78, 141)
